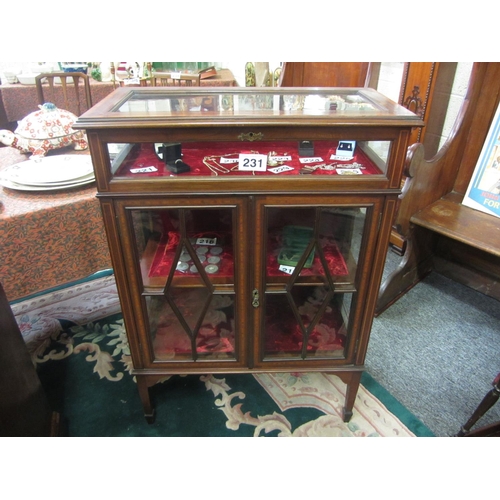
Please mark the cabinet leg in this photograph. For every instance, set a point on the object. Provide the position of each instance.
(149, 411)
(350, 396)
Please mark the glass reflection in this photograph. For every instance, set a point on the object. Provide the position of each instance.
(191, 324)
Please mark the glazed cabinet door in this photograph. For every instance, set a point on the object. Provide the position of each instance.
(315, 264)
(185, 266)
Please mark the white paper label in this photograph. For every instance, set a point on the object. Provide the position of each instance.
(228, 160)
(175, 76)
(343, 157)
(281, 168)
(281, 158)
(310, 160)
(252, 162)
(143, 170)
(287, 269)
(206, 241)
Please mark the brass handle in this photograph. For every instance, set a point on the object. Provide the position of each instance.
(255, 301)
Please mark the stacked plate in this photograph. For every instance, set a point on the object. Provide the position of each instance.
(49, 173)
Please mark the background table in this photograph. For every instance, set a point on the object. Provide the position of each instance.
(48, 238)
(18, 101)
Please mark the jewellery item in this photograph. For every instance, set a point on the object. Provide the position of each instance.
(211, 268)
(216, 250)
(349, 165)
(213, 163)
(193, 269)
(213, 259)
(185, 257)
(331, 166)
(308, 169)
(201, 250)
(213, 166)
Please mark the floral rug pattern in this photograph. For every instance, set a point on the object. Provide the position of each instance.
(107, 352)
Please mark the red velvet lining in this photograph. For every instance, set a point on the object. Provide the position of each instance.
(165, 253)
(193, 153)
(283, 335)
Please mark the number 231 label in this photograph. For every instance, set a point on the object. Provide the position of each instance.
(252, 162)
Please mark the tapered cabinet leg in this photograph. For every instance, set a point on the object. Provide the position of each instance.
(350, 396)
(149, 411)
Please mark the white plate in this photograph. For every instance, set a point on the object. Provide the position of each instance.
(26, 187)
(85, 178)
(48, 170)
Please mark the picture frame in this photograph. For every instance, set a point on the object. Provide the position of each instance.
(483, 192)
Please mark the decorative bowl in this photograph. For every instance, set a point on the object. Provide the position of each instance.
(27, 78)
(10, 75)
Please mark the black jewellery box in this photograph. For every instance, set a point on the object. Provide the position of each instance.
(171, 154)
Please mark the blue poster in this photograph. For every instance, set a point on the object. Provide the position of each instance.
(483, 192)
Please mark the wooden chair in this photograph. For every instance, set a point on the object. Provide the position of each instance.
(175, 80)
(67, 79)
(491, 430)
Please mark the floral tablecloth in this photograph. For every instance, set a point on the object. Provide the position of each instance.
(48, 238)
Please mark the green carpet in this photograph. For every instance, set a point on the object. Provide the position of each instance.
(85, 371)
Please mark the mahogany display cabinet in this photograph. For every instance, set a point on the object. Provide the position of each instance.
(248, 228)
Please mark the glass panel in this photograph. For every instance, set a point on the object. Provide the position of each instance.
(191, 247)
(192, 324)
(311, 266)
(341, 102)
(187, 265)
(319, 325)
(231, 158)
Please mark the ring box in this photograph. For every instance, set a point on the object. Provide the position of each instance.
(171, 153)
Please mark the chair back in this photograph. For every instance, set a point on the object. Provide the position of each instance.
(67, 79)
(175, 80)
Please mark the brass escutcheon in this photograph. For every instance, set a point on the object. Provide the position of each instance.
(251, 136)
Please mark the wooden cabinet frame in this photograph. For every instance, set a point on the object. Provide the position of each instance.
(327, 201)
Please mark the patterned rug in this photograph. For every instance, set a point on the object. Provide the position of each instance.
(77, 340)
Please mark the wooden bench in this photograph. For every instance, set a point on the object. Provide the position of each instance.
(439, 233)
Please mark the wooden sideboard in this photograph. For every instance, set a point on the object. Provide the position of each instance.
(324, 74)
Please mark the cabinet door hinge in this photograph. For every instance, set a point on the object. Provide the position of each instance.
(255, 298)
